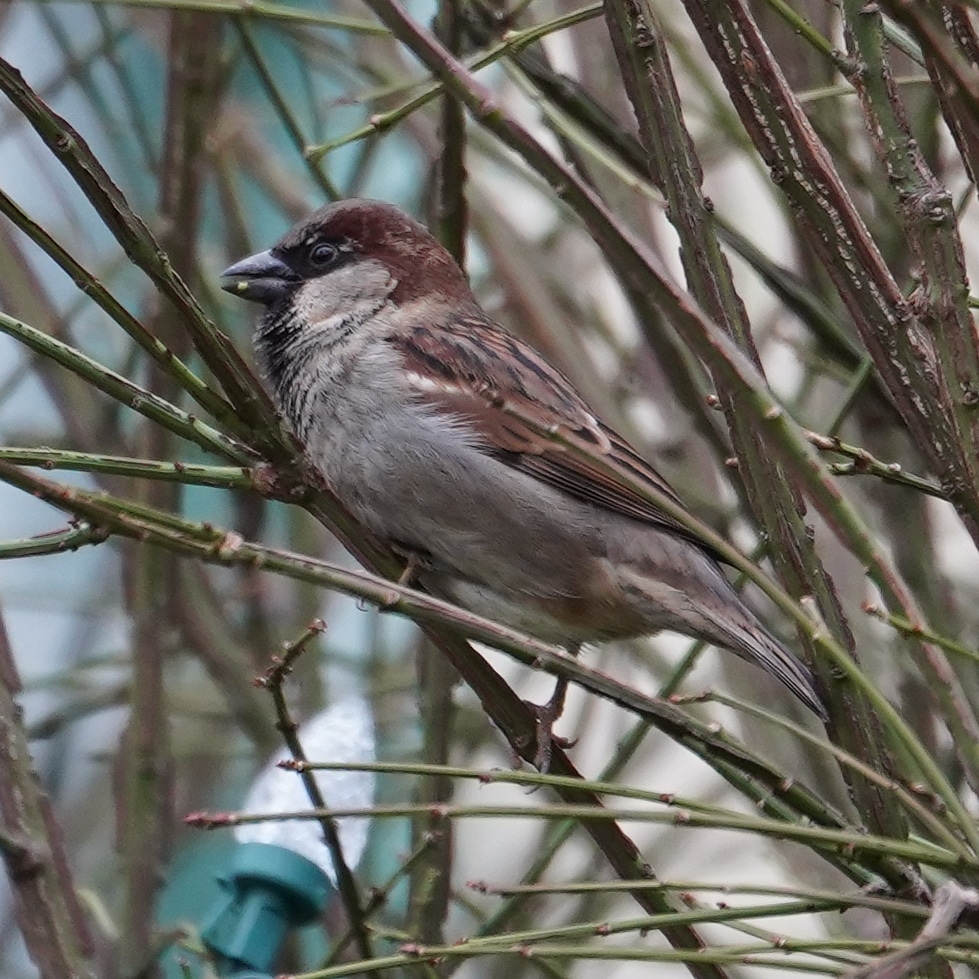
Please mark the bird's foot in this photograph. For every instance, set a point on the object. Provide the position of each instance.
(415, 563)
(409, 577)
(283, 484)
(546, 716)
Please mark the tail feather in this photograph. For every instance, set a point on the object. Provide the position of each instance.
(757, 646)
(674, 585)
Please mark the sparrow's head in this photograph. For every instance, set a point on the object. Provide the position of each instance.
(354, 246)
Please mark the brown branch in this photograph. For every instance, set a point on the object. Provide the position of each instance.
(643, 60)
(46, 906)
(928, 218)
(902, 350)
(146, 253)
(452, 219)
(145, 770)
(204, 629)
(950, 47)
(760, 781)
(273, 681)
(430, 883)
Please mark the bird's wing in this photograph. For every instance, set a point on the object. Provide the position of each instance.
(475, 371)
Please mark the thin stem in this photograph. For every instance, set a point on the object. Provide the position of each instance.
(124, 391)
(189, 473)
(273, 681)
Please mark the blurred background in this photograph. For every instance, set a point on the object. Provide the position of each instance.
(222, 124)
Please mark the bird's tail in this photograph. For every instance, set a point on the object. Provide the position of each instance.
(755, 644)
(684, 589)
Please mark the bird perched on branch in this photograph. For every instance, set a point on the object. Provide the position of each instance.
(463, 448)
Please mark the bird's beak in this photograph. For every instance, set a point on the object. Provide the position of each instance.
(262, 278)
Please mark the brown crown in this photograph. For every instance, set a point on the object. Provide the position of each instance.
(384, 233)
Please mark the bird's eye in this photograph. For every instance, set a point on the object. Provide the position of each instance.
(322, 254)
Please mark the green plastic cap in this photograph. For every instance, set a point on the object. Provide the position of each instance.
(268, 891)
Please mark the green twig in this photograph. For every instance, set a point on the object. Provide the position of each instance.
(57, 542)
(126, 392)
(194, 474)
(864, 464)
(273, 680)
(142, 247)
(170, 364)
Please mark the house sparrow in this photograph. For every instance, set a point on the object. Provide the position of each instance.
(397, 383)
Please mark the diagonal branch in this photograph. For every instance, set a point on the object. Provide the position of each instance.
(215, 546)
(140, 245)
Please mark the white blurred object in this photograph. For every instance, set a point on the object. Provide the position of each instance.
(341, 733)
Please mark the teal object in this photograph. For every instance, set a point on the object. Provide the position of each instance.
(268, 891)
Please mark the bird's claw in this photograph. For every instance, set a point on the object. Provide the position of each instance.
(546, 716)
